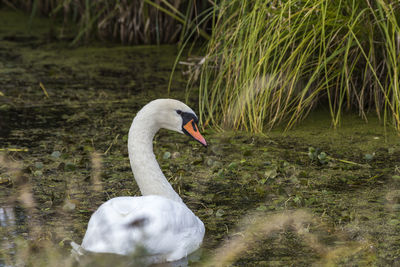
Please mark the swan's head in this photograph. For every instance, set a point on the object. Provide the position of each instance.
(174, 115)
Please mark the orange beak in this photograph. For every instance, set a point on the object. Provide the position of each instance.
(193, 131)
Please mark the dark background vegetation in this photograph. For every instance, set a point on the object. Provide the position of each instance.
(127, 22)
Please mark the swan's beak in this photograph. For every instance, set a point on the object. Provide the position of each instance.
(191, 129)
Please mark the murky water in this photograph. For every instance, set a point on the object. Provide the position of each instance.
(60, 105)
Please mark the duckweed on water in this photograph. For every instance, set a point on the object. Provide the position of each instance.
(47, 194)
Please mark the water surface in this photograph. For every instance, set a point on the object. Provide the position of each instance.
(62, 106)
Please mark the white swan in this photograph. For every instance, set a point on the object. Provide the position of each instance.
(158, 221)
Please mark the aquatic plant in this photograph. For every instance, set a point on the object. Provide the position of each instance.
(317, 155)
(272, 62)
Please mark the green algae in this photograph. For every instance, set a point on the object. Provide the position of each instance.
(94, 92)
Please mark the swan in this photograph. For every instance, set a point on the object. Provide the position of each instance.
(158, 221)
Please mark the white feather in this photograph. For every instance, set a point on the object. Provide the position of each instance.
(158, 222)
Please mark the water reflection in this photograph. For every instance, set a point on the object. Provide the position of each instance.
(12, 224)
(109, 259)
(7, 217)
(7, 231)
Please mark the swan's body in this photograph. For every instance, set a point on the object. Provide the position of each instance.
(158, 221)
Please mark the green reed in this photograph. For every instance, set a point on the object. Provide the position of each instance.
(272, 62)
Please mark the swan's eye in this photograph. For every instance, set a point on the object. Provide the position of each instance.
(179, 112)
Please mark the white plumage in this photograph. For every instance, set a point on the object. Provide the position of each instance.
(158, 222)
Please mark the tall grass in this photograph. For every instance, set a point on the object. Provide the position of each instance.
(127, 21)
(272, 62)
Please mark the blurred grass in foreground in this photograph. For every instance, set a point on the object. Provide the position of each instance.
(38, 248)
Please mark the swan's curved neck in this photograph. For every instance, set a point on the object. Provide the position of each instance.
(145, 168)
